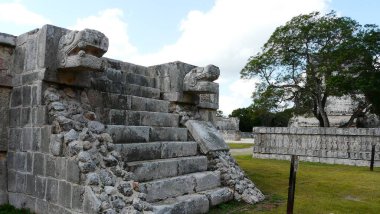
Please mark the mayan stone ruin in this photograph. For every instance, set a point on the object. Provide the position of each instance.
(80, 133)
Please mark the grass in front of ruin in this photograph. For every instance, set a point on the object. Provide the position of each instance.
(240, 145)
(320, 188)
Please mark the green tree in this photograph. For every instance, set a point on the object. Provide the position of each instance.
(311, 58)
(251, 117)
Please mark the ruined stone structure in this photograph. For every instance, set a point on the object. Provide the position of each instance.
(339, 110)
(229, 128)
(80, 133)
(350, 146)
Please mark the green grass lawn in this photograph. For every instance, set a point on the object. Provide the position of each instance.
(320, 188)
(239, 145)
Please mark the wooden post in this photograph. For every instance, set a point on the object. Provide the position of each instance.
(372, 158)
(292, 183)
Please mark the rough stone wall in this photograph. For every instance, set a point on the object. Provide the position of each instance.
(36, 179)
(7, 43)
(351, 146)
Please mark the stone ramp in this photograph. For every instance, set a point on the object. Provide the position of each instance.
(168, 166)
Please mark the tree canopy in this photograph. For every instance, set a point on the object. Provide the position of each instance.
(252, 116)
(313, 57)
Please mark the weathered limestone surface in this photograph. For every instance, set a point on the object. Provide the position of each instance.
(207, 136)
(350, 146)
(80, 133)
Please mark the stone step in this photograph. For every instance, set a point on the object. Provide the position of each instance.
(168, 134)
(148, 104)
(156, 150)
(127, 102)
(142, 91)
(176, 186)
(121, 87)
(193, 203)
(146, 118)
(122, 134)
(128, 134)
(165, 168)
(137, 79)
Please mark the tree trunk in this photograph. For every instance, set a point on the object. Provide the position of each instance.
(360, 110)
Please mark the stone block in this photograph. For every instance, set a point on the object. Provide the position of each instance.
(219, 195)
(156, 169)
(20, 182)
(3, 174)
(20, 161)
(60, 168)
(11, 181)
(40, 187)
(167, 188)
(29, 162)
(117, 117)
(36, 139)
(50, 165)
(39, 164)
(206, 180)
(52, 190)
(15, 139)
(31, 54)
(7, 39)
(42, 206)
(192, 164)
(178, 149)
(16, 97)
(15, 117)
(207, 136)
(168, 134)
(30, 184)
(128, 134)
(64, 194)
(77, 197)
(25, 117)
(26, 96)
(27, 138)
(73, 174)
(45, 139)
(140, 151)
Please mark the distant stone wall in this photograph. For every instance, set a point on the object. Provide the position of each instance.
(351, 146)
(247, 134)
(228, 127)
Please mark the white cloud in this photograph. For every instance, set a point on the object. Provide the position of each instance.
(111, 23)
(18, 14)
(224, 36)
(238, 96)
(227, 35)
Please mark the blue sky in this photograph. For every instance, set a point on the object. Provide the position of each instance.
(200, 32)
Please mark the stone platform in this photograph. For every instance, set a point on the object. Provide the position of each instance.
(80, 133)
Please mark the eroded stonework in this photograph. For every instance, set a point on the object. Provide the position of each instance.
(87, 134)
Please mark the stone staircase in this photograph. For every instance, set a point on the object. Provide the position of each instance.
(166, 163)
